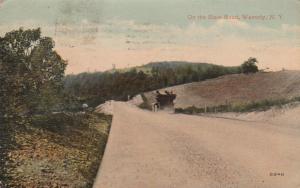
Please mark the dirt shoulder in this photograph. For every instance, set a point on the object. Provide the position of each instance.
(286, 115)
(60, 150)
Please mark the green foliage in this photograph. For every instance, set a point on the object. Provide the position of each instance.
(95, 88)
(250, 66)
(31, 73)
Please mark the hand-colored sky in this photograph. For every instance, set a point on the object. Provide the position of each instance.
(94, 34)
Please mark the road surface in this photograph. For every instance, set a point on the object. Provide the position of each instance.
(162, 150)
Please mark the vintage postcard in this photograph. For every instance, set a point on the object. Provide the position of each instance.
(149, 94)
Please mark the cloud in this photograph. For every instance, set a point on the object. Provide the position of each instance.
(291, 28)
(96, 46)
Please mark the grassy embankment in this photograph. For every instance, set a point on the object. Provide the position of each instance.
(244, 107)
(57, 150)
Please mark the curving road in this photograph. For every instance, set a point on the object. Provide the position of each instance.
(161, 150)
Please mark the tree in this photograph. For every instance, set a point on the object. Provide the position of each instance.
(31, 73)
(250, 66)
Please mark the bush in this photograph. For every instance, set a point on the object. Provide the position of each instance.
(249, 66)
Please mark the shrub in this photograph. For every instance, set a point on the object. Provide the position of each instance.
(249, 66)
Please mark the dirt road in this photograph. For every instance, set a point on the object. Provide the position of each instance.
(161, 150)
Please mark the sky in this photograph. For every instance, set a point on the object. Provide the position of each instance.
(94, 35)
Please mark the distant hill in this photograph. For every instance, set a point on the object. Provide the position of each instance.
(169, 65)
(176, 64)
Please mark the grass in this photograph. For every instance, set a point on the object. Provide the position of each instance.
(56, 150)
(246, 107)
